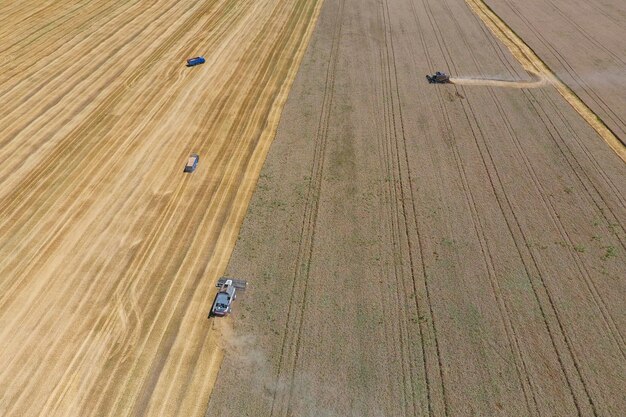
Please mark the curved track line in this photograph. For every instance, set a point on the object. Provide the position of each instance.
(534, 65)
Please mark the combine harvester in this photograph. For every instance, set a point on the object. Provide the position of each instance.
(438, 78)
(192, 62)
(226, 295)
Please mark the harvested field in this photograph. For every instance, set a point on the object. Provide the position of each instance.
(108, 251)
(416, 249)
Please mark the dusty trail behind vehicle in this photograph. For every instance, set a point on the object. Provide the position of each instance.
(583, 44)
(534, 65)
(492, 82)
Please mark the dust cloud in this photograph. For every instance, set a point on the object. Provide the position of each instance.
(535, 82)
(304, 395)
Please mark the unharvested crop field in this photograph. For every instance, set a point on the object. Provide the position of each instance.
(416, 249)
(108, 251)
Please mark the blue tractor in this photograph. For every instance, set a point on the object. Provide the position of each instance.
(192, 62)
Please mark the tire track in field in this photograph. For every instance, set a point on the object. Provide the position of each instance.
(584, 33)
(398, 330)
(437, 401)
(531, 269)
(614, 18)
(398, 230)
(600, 303)
(505, 312)
(525, 380)
(288, 358)
(577, 166)
(569, 69)
(608, 319)
(534, 267)
(532, 62)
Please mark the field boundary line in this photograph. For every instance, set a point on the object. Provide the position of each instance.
(533, 64)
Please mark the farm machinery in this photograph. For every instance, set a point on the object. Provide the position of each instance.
(227, 293)
(192, 163)
(192, 62)
(438, 78)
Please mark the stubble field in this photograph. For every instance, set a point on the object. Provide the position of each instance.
(108, 251)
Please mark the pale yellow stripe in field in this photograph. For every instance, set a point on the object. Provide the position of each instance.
(534, 65)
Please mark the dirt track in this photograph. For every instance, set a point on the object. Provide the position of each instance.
(108, 252)
(415, 249)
